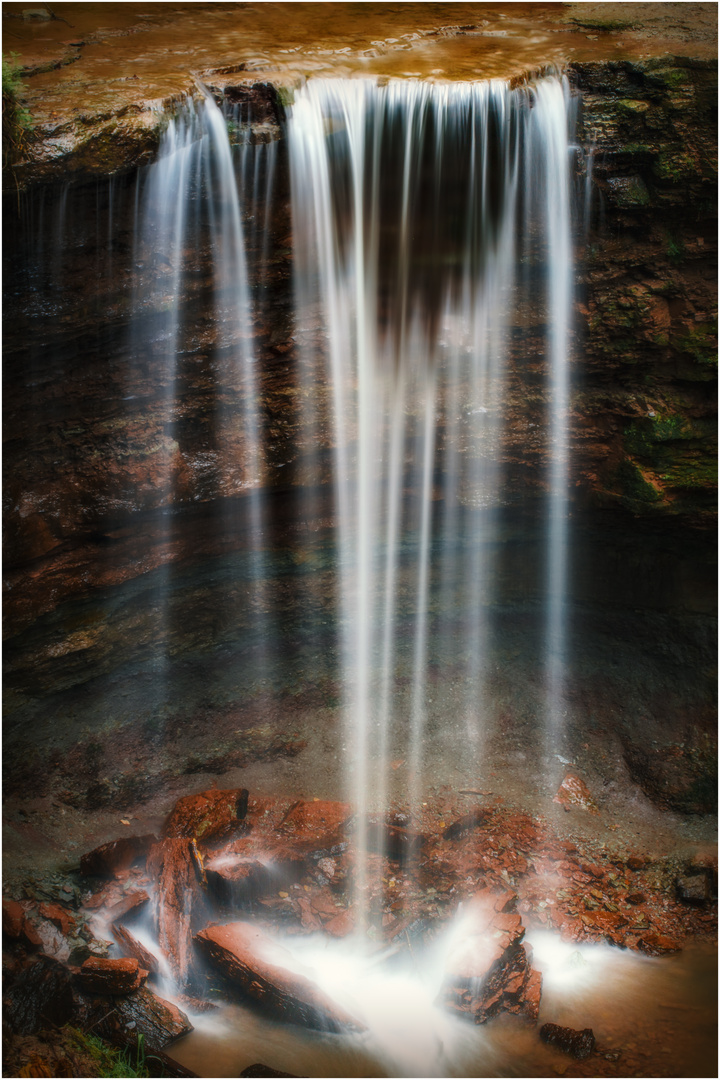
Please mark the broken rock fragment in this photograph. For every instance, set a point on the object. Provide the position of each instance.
(119, 975)
(574, 792)
(139, 1013)
(260, 968)
(579, 1044)
(130, 945)
(489, 969)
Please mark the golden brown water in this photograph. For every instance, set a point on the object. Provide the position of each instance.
(144, 51)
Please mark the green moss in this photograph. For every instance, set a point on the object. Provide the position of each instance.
(605, 25)
(16, 120)
(700, 342)
(636, 489)
(632, 107)
(674, 166)
(109, 1061)
(675, 250)
(668, 78)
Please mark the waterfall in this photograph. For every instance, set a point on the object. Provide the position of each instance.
(413, 207)
(193, 202)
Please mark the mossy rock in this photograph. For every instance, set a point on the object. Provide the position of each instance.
(636, 489)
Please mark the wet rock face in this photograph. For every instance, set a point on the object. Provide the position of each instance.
(578, 1044)
(645, 409)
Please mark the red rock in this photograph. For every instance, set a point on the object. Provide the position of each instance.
(397, 842)
(489, 969)
(120, 854)
(574, 792)
(657, 944)
(341, 925)
(103, 975)
(262, 969)
(13, 917)
(635, 862)
(316, 826)
(176, 867)
(209, 814)
(130, 945)
(57, 915)
(131, 904)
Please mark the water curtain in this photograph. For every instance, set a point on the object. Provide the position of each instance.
(417, 209)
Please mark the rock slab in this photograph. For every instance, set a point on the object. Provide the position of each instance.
(260, 968)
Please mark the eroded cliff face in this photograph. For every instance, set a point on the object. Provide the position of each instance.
(103, 496)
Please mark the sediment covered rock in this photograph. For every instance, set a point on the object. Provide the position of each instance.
(137, 1013)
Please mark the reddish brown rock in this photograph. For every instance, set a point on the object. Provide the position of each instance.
(579, 1044)
(108, 859)
(209, 814)
(16, 925)
(316, 826)
(341, 925)
(131, 905)
(13, 917)
(177, 870)
(102, 975)
(130, 945)
(489, 970)
(574, 792)
(655, 944)
(262, 969)
(59, 916)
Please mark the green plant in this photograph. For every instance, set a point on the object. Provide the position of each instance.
(108, 1061)
(16, 120)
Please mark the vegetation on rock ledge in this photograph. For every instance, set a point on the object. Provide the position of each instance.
(16, 121)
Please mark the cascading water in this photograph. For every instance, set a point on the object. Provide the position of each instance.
(412, 205)
(193, 202)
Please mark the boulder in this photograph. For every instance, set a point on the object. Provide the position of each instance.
(693, 889)
(256, 966)
(579, 1044)
(208, 815)
(177, 870)
(574, 792)
(103, 975)
(124, 1018)
(489, 970)
(41, 994)
(108, 859)
(265, 1071)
